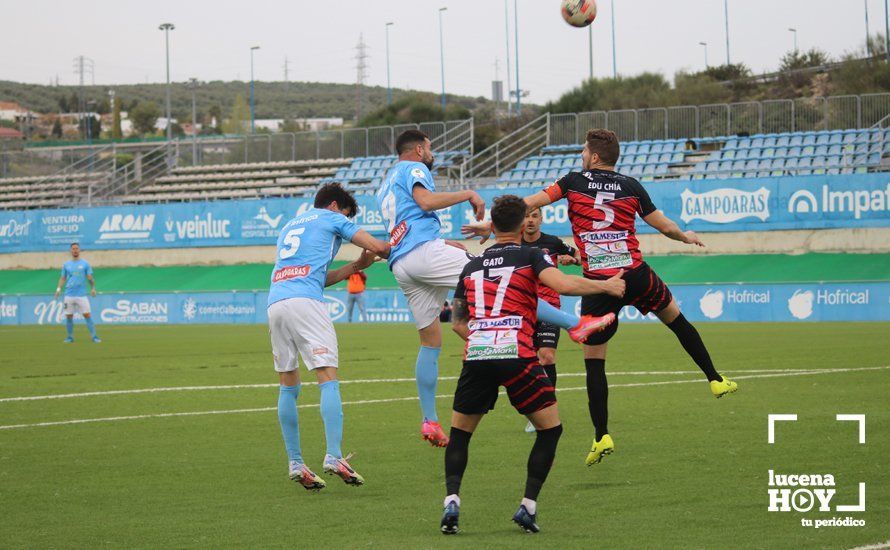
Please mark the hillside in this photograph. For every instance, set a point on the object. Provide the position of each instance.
(273, 99)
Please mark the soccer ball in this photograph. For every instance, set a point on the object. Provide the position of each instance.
(579, 13)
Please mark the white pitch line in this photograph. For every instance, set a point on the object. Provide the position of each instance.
(875, 546)
(397, 399)
(363, 381)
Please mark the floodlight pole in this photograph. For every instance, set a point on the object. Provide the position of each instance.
(793, 30)
(193, 84)
(726, 22)
(388, 85)
(590, 47)
(516, 47)
(867, 42)
(167, 27)
(705, 45)
(614, 54)
(442, 57)
(507, 36)
(252, 111)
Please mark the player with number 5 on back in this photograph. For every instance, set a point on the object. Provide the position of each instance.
(427, 267)
(301, 327)
(603, 206)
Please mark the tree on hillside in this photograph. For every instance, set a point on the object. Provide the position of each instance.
(213, 120)
(116, 132)
(57, 129)
(144, 117)
(414, 109)
(794, 80)
(598, 94)
(239, 120)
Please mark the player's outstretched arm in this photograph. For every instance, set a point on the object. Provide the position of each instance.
(341, 274)
(460, 318)
(571, 285)
(59, 286)
(429, 201)
(539, 199)
(670, 229)
(364, 240)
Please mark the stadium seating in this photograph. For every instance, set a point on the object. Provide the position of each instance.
(365, 174)
(45, 191)
(237, 181)
(762, 155)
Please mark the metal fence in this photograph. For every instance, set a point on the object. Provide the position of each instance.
(753, 117)
(322, 144)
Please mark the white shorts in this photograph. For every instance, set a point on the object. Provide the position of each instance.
(426, 275)
(77, 304)
(302, 327)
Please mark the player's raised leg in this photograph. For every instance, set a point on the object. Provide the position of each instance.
(691, 341)
(598, 402)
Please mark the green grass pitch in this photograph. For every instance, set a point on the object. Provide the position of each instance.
(689, 471)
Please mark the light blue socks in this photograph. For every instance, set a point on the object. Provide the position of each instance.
(332, 415)
(554, 316)
(69, 326)
(90, 326)
(288, 418)
(427, 373)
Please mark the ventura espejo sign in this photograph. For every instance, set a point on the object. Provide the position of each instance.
(761, 204)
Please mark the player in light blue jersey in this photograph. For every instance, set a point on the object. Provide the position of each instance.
(76, 273)
(300, 326)
(427, 267)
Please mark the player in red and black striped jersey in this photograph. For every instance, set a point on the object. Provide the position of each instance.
(495, 311)
(603, 206)
(546, 334)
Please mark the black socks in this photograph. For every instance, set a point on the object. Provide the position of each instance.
(692, 343)
(597, 395)
(551, 373)
(540, 459)
(456, 457)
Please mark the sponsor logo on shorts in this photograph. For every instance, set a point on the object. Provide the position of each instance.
(398, 233)
(320, 351)
(290, 272)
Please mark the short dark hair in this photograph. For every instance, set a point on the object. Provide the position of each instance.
(331, 192)
(409, 139)
(73, 244)
(508, 213)
(605, 144)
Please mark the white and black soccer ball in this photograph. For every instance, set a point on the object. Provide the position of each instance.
(579, 13)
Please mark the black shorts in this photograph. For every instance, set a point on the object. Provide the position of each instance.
(645, 291)
(526, 383)
(546, 335)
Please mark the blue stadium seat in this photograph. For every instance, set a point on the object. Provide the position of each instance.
(809, 138)
(822, 138)
(544, 163)
(781, 152)
(757, 142)
(532, 164)
(818, 162)
(768, 153)
(769, 141)
(764, 163)
(821, 150)
(791, 163)
(777, 163)
(678, 157)
(629, 149)
(874, 159)
(836, 138)
(835, 160)
(783, 141)
(751, 164)
(665, 157)
(808, 151)
(642, 148)
(731, 143)
(755, 153)
(836, 149)
(796, 140)
(725, 166)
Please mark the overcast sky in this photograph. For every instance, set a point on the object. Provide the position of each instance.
(212, 39)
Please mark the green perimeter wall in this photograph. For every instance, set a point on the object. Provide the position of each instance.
(763, 268)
